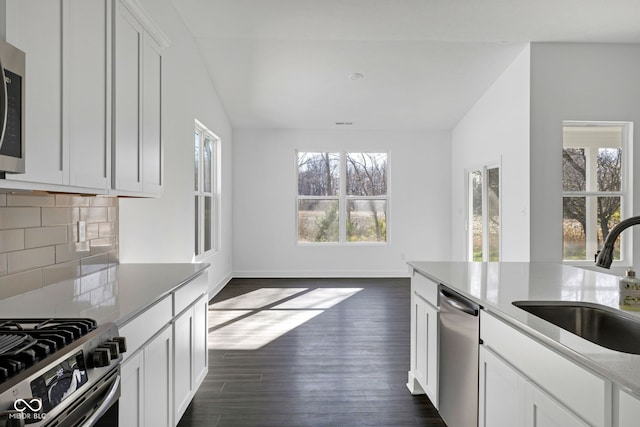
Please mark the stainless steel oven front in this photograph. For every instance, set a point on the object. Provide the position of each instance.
(76, 384)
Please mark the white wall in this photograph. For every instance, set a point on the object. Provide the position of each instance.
(575, 82)
(264, 203)
(161, 230)
(496, 129)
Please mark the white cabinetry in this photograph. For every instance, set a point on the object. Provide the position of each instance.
(423, 376)
(93, 96)
(501, 394)
(137, 148)
(166, 359)
(68, 90)
(146, 368)
(130, 410)
(190, 356)
(514, 371)
(158, 380)
(628, 410)
(507, 399)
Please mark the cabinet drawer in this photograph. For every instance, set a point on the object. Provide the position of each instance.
(144, 326)
(426, 288)
(575, 387)
(190, 292)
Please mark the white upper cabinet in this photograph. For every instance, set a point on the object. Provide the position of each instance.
(93, 96)
(137, 139)
(88, 89)
(35, 27)
(127, 150)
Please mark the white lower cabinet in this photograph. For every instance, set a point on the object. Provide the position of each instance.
(543, 411)
(147, 389)
(524, 383)
(423, 376)
(507, 399)
(190, 354)
(158, 380)
(131, 403)
(167, 357)
(628, 410)
(501, 394)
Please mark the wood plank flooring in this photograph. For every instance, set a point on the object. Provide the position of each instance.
(344, 366)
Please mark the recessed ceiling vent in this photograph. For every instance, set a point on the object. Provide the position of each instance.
(344, 123)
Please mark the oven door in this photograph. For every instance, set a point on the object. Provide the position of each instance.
(96, 407)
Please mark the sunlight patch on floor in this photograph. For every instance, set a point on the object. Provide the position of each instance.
(256, 299)
(251, 333)
(251, 321)
(219, 317)
(321, 298)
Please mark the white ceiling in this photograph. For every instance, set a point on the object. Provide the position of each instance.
(286, 63)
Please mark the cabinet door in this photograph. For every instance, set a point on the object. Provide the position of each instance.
(158, 380)
(183, 332)
(35, 27)
(151, 117)
(543, 411)
(127, 145)
(501, 394)
(131, 403)
(190, 354)
(200, 341)
(87, 86)
(629, 410)
(426, 347)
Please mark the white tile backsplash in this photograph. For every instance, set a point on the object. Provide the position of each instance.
(38, 239)
(11, 240)
(14, 217)
(45, 236)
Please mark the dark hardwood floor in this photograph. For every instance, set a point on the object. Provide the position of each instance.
(345, 366)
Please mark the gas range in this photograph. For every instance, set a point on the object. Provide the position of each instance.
(62, 372)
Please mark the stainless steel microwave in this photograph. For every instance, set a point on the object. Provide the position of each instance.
(12, 96)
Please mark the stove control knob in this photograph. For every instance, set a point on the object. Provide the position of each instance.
(122, 343)
(113, 347)
(101, 357)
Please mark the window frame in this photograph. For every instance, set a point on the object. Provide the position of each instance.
(343, 199)
(625, 193)
(201, 195)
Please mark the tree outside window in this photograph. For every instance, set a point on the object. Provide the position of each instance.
(342, 197)
(484, 213)
(595, 191)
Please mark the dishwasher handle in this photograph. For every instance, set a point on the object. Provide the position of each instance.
(458, 302)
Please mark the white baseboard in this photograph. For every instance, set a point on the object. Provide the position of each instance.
(218, 286)
(321, 274)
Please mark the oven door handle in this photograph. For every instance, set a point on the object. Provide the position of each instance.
(109, 399)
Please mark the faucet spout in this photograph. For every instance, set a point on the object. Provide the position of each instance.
(604, 257)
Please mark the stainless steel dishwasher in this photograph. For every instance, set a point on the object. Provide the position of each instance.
(459, 340)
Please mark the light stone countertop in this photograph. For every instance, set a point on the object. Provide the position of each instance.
(114, 294)
(495, 286)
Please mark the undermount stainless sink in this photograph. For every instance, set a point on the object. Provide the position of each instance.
(599, 324)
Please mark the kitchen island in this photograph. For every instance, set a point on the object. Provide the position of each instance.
(495, 286)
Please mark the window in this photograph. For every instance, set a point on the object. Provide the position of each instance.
(484, 214)
(205, 186)
(596, 187)
(342, 197)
